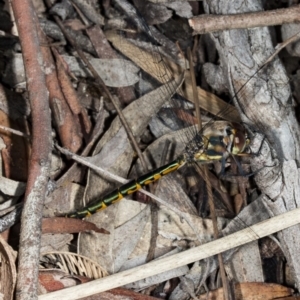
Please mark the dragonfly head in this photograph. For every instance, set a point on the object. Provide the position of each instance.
(217, 142)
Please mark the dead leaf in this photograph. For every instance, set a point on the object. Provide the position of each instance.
(55, 242)
(53, 280)
(114, 72)
(125, 222)
(68, 225)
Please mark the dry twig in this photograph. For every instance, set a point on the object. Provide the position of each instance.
(212, 23)
(41, 149)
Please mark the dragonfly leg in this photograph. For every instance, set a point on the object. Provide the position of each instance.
(241, 171)
(223, 163)
(258, 152)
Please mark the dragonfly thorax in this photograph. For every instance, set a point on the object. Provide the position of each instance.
(196, 145)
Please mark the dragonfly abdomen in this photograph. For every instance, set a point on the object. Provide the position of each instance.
(127, 189)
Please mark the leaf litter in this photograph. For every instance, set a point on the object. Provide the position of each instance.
(127, 225)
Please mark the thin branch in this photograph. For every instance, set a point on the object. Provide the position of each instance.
(236, 239)
(212, 23)
(39, 165)
(281, 46)
(14, 131)
(84, 161)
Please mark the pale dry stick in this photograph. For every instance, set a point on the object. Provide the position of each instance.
(84, 161)
(158, 266)
(16, 132)
(117, 178)
(82, 16)
(212, 23)
(207, 181)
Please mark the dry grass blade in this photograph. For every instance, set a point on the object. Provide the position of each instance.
(73, 264)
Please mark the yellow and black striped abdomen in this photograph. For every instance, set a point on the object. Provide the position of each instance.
(127, 189)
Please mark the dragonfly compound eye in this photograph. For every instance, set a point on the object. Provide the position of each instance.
(228, 131)
(241, 141)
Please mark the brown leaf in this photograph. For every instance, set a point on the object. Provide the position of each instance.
(53, 280)
(15, 155)
(68, 225)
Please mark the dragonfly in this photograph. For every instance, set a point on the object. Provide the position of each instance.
(217, 141)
